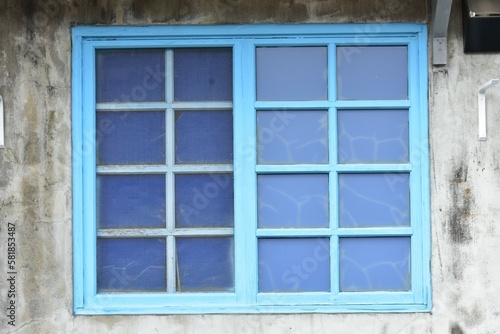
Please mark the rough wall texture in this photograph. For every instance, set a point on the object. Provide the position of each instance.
(35, 168)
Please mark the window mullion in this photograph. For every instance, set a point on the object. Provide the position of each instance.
(171, 265)
(334, 227)
(170, 154)
(333, 175)
(244, 175)
(332, 72)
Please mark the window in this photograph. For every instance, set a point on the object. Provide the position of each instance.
(247, 169)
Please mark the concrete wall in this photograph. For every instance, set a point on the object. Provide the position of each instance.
(35, 169)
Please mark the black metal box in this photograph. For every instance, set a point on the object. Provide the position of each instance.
(481, 25)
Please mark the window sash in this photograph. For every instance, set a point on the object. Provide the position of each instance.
(246, 298)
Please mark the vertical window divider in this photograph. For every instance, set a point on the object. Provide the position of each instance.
(240, 273)
(170, 177)
(171, 265)
(333, 175)
(332, 72)
(334, 266)
(244, 172)
(333, 201)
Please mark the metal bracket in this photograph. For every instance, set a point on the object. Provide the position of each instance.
(1, 124)
(440, 21)
(481, 102)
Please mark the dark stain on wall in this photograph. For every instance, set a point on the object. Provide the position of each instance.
(456, 329)
(276, 11)
(94, 12)
(461, 206)
(161, 11)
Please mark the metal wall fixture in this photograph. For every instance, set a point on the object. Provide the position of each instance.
(481, 101)
(481, 26)
(439, 31)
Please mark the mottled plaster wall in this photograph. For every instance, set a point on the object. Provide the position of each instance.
(465, 188)
(35, 168)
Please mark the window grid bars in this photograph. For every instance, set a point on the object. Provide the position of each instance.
(333, 168)
(169, 169)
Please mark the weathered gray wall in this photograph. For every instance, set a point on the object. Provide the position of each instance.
(35, 168)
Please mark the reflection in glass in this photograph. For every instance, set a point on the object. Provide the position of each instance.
(375, 264)
(294, 265)
(126, 265)
(291, 73)
(372, 72)
(205, 264)
(292, 137)
(368, 200)
(126, 201)
(373, 136)
(299, 200)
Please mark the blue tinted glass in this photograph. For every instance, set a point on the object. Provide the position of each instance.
(367, 200)
(131, 265)
(375, 264)
(203, 74)
(293, 200)
(372, 72)
(291, 73)
(373, 136)
(205, 264)
(204, 200)
(126, 201)
(294, 265)
(292, 137)
(130, 75)
(203, 137)
(130, 137)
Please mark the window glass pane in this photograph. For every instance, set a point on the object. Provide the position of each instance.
(375, 264)
(130, 137)
(130, 75)
(205, 264)
(372, 72)
(291, 73)
(367, 200)
(203, 137)
(131, 265)
(294, 265)
(293, 200)
(126, 201)
(204, 200)
(203, 74)
(292, 137)
(373, 136)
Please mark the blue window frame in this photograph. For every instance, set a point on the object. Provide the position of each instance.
(250, 169)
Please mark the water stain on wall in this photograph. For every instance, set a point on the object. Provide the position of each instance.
(456, 329)
(461, 206)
